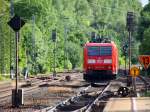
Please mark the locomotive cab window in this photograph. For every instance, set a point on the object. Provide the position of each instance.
(105, 50)
(93, 51)
(100, 51)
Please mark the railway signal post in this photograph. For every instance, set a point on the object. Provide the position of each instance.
(65, 41)
(54, 51)
(130, 27)
(125, 47)
(17, 95)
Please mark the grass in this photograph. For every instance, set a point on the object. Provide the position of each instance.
(4, 77)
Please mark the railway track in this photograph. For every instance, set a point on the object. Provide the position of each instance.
(31, 86)
(86, 100)
(52, 93)
(6, 92)
(91, 97)
(48, 96)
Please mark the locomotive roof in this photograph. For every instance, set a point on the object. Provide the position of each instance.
(100, 44)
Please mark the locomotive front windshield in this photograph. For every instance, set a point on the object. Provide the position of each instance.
(99, 51)
(105, 50)
(93, 51)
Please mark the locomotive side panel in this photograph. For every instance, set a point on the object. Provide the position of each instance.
(115, 57)
(115, 60)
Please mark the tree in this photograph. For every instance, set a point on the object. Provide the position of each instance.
(74, 54)
(105, 17)
(143, 34)
(145, 46)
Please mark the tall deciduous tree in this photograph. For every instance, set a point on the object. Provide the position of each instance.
(74, 20)
(143, 33)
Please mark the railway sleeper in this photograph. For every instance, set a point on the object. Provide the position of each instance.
(101, 103)
(70, 107)
(76, 103)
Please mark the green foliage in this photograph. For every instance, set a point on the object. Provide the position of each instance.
(74, 54)
(144, 32)
(145, 46)
(74, 20)
(144, 22)
(4, 78)
(121, 61)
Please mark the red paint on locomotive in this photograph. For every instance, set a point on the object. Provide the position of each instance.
(100, 58)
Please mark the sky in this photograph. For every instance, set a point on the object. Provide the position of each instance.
(144, 2)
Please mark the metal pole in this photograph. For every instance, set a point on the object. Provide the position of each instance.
(129, 51)
(130, 26)
(134, 86)
(33, 43)
(133, 78)
(129, 80)
(65, 40)
(134, 83)
(54, 72)
(125, 64)
(17, 36)
(16, 88)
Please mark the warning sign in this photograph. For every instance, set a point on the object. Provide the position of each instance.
(145, 60)
(134, 72)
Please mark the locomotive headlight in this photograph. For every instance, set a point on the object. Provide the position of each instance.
(108, 61)
(91, 61)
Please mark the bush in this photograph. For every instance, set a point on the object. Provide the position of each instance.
(74, 54)
(4, 77)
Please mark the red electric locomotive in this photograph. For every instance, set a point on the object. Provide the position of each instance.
(100, 61)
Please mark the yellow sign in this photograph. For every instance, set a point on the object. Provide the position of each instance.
(145, 60)
(134, 72)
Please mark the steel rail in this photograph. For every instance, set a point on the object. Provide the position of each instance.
(78, 104)
(97, 99)
(53, 108)
(27, 90)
